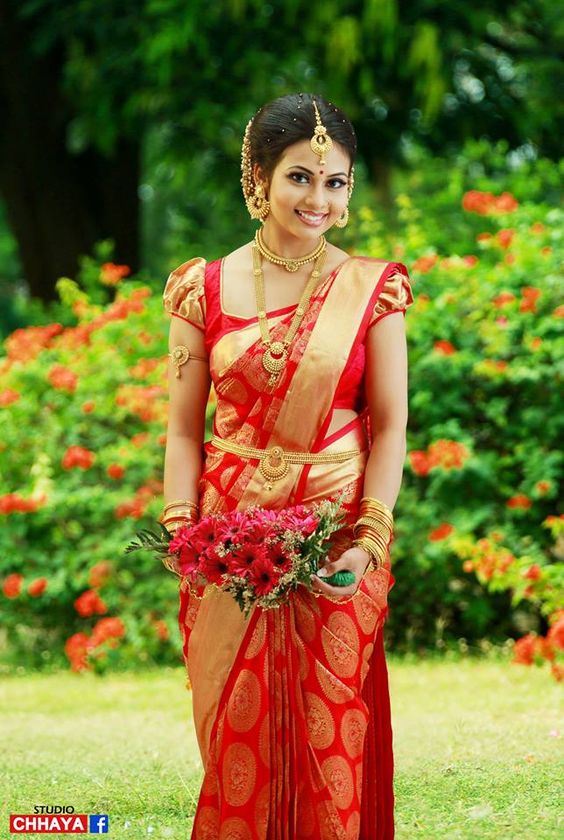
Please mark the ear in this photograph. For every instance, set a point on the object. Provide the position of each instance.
(260, 178)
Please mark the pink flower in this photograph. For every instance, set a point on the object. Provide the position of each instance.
(244, 558)
(212, 566)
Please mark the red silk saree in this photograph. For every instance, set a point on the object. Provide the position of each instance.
(291, 705)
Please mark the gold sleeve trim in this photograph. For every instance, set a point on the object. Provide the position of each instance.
(396, 295)
(184, 291)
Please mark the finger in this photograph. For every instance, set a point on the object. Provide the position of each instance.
(329, 568)
(334, 591)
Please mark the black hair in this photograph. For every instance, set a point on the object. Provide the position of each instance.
(291, 118)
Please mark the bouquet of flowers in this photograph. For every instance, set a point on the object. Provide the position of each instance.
(257, 555)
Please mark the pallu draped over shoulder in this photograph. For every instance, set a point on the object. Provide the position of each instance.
(291, 705)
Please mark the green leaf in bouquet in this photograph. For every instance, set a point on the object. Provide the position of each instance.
(150, 541)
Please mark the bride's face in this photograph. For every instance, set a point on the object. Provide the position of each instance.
(306, 198)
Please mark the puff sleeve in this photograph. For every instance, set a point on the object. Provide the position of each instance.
(184, 292)
(396, 294)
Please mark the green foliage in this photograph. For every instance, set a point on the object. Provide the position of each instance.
(84, 412)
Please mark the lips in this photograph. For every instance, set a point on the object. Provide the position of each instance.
(311, 218)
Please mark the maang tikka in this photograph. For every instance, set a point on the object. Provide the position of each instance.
(321, 143)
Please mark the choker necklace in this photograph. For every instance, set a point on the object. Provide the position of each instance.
(275, 354)
(289, 263)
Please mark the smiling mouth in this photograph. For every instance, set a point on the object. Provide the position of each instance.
(312, 217)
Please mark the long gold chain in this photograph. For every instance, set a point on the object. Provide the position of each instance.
(276, 354)
(289, 263)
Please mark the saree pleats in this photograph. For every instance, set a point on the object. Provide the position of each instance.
(291, 705)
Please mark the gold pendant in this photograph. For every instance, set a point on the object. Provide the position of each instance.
(291, 265)
(273, 465)
(275, 357)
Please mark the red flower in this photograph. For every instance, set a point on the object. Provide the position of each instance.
(505, 237)
(76, 649)
(161, 629)
(442, 532)
(212, 566)
(484, 237)
(12, 585)
(537, 227)
(99, 574)
(8, 396)
(470, 260)
(62, 378)
(111, 274)
(88, 406)
(468, 566)
(533, 572)
(37, 587)
(419, 462)
(555, 634)
(519, 501)
(13, 502)
(445, 348)
(264, 576)
(243, 559)
(524, 650)
(107, 628)
(89, 603)
(116, 471)
(503, 298)
(77, 456)
(425, 264)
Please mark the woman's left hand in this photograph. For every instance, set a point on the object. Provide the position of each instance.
(354, 559)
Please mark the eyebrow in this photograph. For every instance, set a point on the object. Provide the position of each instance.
(297, 166)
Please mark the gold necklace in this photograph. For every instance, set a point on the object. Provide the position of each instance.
(276, 354)
(289, 263)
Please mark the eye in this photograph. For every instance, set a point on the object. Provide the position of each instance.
(335, 183)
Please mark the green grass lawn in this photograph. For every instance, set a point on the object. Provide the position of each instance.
(478, 750)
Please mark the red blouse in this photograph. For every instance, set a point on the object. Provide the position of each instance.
(193, 292)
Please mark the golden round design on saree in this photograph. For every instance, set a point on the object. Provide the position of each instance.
(353, 825)
(342, 626)
(239, 774)
(207, 823)
(339, 778)
(367, 613)
(305, 621)
(235, 828)
(264, 740)
(353, 730)
(258, 638)
(320, 725)
(243, 707)
(334, 689)
(330, 826)
(342, 660)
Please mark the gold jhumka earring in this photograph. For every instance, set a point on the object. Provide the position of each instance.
(255, 198)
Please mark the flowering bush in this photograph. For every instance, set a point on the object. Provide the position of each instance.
(478, 547)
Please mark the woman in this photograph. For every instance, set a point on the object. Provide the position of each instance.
(291, 705)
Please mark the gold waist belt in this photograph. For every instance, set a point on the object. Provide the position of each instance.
(274, 461)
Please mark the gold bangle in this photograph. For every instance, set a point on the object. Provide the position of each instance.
(188, 502)
(370, 501)
(384, 528)
(376, 558)
(180, 512)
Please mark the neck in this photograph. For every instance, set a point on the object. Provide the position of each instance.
(285, 244)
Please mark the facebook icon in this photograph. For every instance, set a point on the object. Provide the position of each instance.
(98, 824)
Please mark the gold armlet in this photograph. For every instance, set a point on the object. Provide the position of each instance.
(180, 355)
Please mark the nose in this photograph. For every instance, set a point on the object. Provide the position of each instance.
(316, 199)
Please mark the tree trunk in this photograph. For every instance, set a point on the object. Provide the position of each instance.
(58, 204)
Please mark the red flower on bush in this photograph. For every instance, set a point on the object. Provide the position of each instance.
(161, 630)
(88, 406)
(111, 274)
(78, 457)
(442, 532)
(8, 396)
(425, 264)
(445, 348)
(533, 572)
(519, 501)
(419, 462)
(90, 603)
(107, 628)
(99, 574)
(76, 649)
(26, 343)
(116, 471)
(12, 585)
(505, 237)
(529, 300)
(62, 378)
(13, 502)
(37, 587)
(485, 203)
(470, 259)
(503, 299)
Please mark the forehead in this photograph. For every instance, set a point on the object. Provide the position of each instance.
(301, 154)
